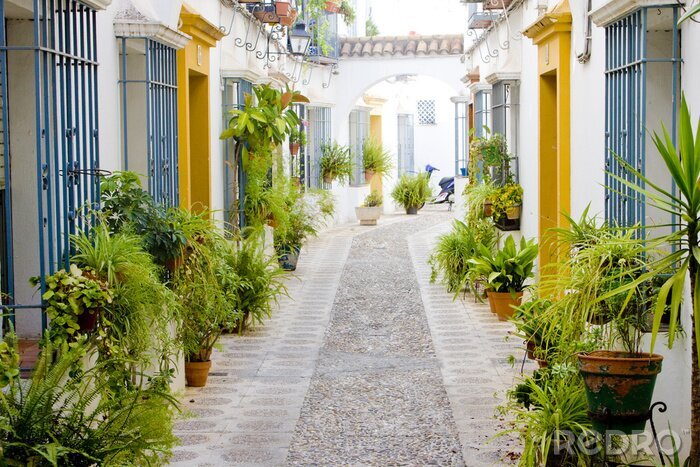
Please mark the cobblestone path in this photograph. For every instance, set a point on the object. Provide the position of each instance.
(366, 364)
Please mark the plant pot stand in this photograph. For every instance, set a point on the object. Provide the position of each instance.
(507, 225)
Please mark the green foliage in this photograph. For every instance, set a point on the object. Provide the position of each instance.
(297, 135)
(301, 224)
(548, 409)
(124, 201)
(9, 361)
(508, 196)
(68, 296)
(486, 152)
(411, 191)
(348, 12)
(507, 269)
(336, 162)
(163, 236)
(260, 282)
(450, 258)
(371, 28)
(61, 418)
(475, 197)
(324, 201)
(373, 199)
(375, 158)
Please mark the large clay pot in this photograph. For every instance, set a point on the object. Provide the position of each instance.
(294, 148)
(369, 175)
(503, 303)
(619, 388)
(196, 373)
(333, 6)
(283, 8)
(368, 215)
(327, 179)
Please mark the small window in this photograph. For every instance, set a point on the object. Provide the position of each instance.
(426, 112)
(359, 132)
(319, 133)
(482, 113)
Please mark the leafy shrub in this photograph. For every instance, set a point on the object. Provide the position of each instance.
(373, 199)
(336, 162)
(411, 191)
(375, 158)
(508, 268)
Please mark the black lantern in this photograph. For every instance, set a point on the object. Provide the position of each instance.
(299, 40)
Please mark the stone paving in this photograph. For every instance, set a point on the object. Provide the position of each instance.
(366, 364)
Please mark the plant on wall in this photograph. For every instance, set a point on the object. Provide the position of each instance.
(489, 160)
(375, 159)
(336, 163)
(371, 28)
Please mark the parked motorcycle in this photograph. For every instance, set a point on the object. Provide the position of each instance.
(447, 186)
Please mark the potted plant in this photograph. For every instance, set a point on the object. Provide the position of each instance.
(297, 138)
(505, 273)
(205, 310)
(348, 12)
(336, 163)
(508, 201)
(74, 299)
(332, 6)
(371, 209)
(411, 192)
(375, 159)
(164, 238)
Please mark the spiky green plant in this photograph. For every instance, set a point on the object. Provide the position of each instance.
(411, 191)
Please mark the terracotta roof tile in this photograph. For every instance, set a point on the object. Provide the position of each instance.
(402, 45)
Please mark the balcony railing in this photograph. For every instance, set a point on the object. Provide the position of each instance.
(325, 43)
(480, 18)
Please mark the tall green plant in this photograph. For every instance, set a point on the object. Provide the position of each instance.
(336, 162)
(683, 165)
(375, 158)
(411, 191)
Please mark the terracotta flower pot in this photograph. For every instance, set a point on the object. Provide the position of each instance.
(542, 363)
(290, 19)
(174, 264)
(333, 6)
(294, 148)
(88, 320)
(619, 388)
(327, 179)
(369, 175)
(503, 303)
(513, 212)
(412, 211)
(283, 8)
(196, 373)
(531, 350)
(488, 208)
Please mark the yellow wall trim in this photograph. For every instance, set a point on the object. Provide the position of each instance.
(558, 19)
(197, 26)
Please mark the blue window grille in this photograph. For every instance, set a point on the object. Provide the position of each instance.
(235, 90)
(406, 146)
(482, 113)
(359, 132)
(642, 53)
(325, 42)
(148, 86)
(319, 133)
(48, 70)
(505, 102)
(461, 136)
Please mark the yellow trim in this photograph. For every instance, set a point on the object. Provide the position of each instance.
(552, 34)
(194, 115)
(375, 132)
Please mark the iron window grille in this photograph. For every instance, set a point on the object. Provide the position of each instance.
(461, 137)
(297, 165)
(148, 82)
(482, 113)
(235, 178)
(505, 102)
(642, 52)
(319, 134)
(324, 30)
(48, 74)
(426, 112)
(359, 132)
(406, 144)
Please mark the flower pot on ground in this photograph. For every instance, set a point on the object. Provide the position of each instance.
(619, 388)
(505, 272)
(288, 257)
(375, 159)
(371, 209)
(336, 163)
(411, 192)
(197, 373)
(503, 304)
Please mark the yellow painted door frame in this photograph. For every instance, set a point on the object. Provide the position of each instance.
(375, 132)
(552, 35)
(194, 109)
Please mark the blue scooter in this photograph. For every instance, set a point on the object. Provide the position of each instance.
(447, 187)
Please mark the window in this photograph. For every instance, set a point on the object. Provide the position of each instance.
(148, 81)
(482, 113)
(642, 79)
(297, 165)
(319, 134)
(504, 112)
(50, 145)
(359, 132)
(406, 144)
(426, 112)
(235, 90)
(461, 135)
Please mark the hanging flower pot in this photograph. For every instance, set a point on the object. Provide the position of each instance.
(290, 19)
(327, 179)
(369, 175)
(283, 8)
(619, 388)
(513, 212)
(333, 6)
(266, 14)
(488, 208)
(88, 321)
(294, 148)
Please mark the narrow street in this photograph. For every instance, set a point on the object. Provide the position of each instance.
(366, 363)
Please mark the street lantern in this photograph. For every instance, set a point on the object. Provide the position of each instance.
(299, 40)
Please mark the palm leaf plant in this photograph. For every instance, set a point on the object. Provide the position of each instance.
(683, 204)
